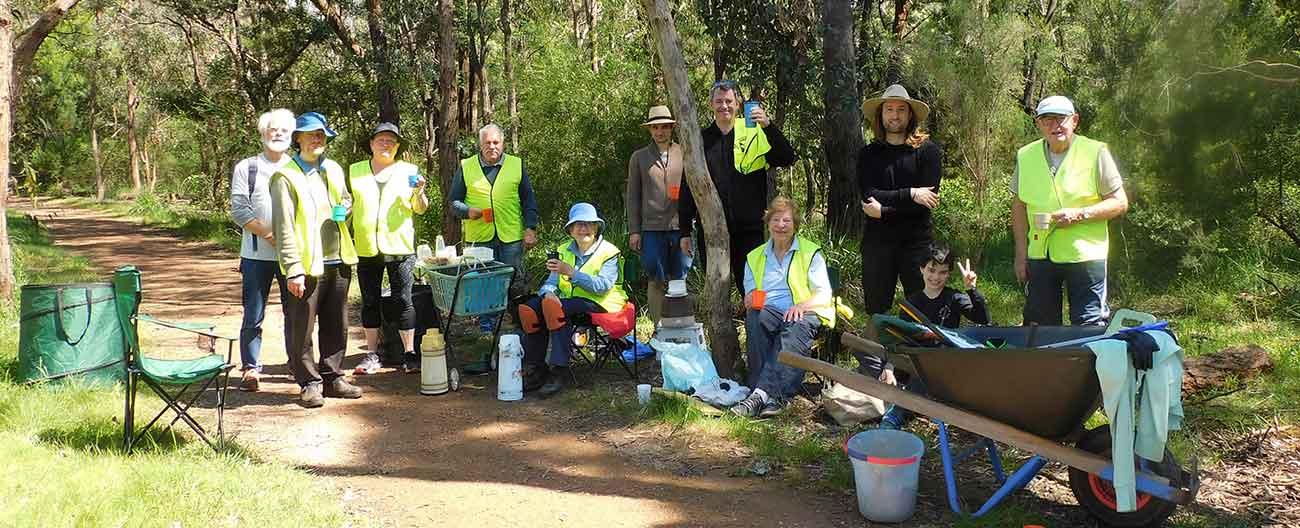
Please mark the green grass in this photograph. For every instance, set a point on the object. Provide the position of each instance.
(61, 444)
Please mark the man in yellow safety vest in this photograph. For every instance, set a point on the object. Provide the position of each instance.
(1066, 189)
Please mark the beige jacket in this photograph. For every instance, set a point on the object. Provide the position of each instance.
(648, 179)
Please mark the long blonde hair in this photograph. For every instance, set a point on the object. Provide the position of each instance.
(916, 135)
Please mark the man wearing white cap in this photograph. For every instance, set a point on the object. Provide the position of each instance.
(1066, 189)
(654, 182)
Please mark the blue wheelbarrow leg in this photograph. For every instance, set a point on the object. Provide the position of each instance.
(1010, 485)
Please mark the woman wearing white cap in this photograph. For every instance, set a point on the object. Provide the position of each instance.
(586, 277)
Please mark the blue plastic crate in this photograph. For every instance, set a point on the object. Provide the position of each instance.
(481, 290)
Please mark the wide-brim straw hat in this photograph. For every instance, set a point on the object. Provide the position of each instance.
(895, 92)
(659, 115)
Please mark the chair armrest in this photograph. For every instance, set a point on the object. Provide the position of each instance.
(204, 329)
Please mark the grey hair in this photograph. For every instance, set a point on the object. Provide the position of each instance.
(279, 115)
(490, 127)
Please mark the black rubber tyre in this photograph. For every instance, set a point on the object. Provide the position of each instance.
(1097, 495)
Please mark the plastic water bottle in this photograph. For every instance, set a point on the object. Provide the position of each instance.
(439, 245)
(510, 376)
(433, 364)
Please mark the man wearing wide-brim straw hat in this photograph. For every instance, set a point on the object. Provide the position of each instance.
(654, 183)
(898, 175)
(1066, 189)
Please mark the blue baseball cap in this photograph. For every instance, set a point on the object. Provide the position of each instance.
(309, 121)
(1055, 105)
(583, 212)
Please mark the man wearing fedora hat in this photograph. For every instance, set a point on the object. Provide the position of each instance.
(739, 148)
(1066, 188)
(388, 193)
(654, 180)
(898, 175)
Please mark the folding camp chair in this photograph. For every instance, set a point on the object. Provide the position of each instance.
(170, 379)
(600, 337)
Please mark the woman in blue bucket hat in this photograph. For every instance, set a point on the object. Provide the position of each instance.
(586, 278)
(310, 205)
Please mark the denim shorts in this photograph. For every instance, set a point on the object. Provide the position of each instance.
(662, 258)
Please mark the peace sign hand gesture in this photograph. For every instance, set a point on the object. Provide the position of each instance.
(968, 275)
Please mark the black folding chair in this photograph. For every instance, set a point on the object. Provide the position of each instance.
(594, 346)
(170, 379)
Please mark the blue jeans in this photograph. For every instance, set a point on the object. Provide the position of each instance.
(766, 335)
(1085, 285)
(257, 276)
(662, 258)
(561, 340)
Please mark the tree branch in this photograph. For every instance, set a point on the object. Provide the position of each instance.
(29, 40)
(334, 17)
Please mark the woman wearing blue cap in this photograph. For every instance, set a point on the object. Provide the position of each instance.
(586, 277)
(388, 194)
(309, 208)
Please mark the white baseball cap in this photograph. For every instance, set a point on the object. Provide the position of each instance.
(1055, 105)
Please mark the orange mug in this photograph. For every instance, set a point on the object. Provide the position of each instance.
(674, 192)
(757, 298)
(487, 215)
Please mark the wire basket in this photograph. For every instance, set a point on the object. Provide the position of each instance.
(481, 290)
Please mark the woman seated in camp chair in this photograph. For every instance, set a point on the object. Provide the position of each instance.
(585, 278)
(788, 296)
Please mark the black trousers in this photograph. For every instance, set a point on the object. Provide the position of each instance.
(370, 275)
(885, 263)
(324, 305)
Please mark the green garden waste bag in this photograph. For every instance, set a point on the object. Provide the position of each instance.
(70, 330)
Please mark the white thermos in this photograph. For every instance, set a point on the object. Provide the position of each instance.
(433, 364)
(510, 376)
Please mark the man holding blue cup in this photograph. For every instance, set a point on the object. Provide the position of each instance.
(738, 151)
(388, 193)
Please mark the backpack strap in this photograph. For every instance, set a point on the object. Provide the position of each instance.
(252, 183)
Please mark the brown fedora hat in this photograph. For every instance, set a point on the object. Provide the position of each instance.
(659, 115)
(895, 92)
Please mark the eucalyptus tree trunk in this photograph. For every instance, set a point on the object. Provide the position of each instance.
(843, 125)
(717, 285)
(6, 127)
(132, 142)
(447, 160)
(512, 94)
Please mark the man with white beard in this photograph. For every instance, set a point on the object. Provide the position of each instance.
(250, 207)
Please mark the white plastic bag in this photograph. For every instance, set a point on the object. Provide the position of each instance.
(849, 407)
(684, 365)
(721, 392)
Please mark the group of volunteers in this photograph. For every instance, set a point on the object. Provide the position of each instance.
(307, 221)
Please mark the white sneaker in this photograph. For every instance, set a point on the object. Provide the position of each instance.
(369, 365)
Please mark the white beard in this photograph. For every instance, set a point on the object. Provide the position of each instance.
(278, 146)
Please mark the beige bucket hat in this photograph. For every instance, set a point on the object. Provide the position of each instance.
(659, 115)
(895, 92)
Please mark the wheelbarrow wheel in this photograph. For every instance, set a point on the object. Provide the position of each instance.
(1097, 495)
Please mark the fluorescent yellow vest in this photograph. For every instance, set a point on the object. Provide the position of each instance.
(796, 277)
(1075, 185)
(383, 221)
(306, 222)
(750, 146)
(613, 298)
(502, 197)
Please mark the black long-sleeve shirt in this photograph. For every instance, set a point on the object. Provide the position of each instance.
(950, 306)
(886, 172)
(744, 196)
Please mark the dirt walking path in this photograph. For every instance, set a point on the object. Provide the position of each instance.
(401, 459)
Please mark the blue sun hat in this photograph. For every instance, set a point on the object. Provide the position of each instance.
(309, 121)
(583, 212)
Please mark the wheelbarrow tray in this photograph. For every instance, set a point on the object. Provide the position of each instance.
(1050, 392)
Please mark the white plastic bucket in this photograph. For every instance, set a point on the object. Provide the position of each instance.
(510, 380)
(886, 468)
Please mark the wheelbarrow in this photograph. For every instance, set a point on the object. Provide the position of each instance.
(1034, 399)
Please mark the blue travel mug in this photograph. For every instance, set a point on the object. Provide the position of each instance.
(749, 106)
(340, 213)
(414, 179)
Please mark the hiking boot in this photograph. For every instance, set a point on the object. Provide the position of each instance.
(250, 381)
(772, 408)
(340, 388)
(369, 365)
(410, 363)
(312, 396)
(555, 382)
(895, 418)
(748, 407)
(536, 378)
